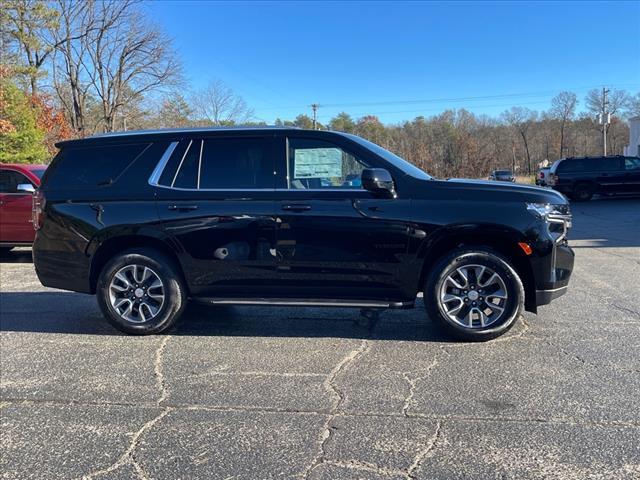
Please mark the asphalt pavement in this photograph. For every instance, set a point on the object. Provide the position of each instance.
(308, 393)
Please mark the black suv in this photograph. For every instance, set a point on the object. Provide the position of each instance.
(278, 216)
(582, 177)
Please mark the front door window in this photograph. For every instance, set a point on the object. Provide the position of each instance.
(316, 164)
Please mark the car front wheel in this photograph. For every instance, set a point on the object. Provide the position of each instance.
(474, 294)
(582, 192)
(140, 292)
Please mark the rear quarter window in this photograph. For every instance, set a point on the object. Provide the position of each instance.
(78, 167)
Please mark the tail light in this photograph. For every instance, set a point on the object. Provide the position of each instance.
(37, 210)
(541, 174)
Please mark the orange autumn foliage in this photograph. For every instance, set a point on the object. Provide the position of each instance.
(51, 121)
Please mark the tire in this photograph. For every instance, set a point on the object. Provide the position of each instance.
(483, 326)
(134, 274)
(582, 192)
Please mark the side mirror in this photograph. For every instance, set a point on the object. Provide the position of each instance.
(378, 181)
(25, 188)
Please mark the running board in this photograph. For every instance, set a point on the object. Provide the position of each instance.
(311, 302)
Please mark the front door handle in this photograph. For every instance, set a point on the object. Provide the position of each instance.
(296, 208)
(182, 208)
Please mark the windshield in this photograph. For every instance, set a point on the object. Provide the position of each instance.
(503, 172)
(39, 172)
(392, 158)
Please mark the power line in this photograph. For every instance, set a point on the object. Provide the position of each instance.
(422, 110)
(452, 99)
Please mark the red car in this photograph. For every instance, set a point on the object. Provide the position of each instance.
(17, 184)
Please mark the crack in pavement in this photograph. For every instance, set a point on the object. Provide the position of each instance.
(4, 402)
(422, 454)
(331, 386)
(408, 401)
(607, 301)
(588, 363)
(365, 467)
(128, 457)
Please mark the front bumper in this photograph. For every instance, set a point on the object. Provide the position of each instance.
(544, 297)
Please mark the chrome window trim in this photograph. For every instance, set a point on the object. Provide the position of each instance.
(260, 189)
(200, 164)
(162, 163)
(175, 175)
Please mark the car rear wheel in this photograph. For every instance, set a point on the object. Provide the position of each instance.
(474, 294)
(582, 192)
(140, 292)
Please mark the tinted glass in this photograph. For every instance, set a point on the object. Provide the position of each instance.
(319, 164)
(608, 164)
(632, 163)
(10, 179)
(392, 158)
(88, 167)
(187, 176)
(576, 165)
(39, 172)
(237, 163)
(174, 161)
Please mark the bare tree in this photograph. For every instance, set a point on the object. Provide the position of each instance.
(35, 28)
(71, 84)
(521, 119)
(563, 108)
(126, 58)
(220, 105)
(617, 100)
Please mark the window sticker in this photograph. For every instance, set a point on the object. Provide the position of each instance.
(318, 163)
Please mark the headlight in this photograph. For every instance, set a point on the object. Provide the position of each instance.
(558, 218)
(545, 210)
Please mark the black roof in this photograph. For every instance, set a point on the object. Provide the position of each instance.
(173, 132)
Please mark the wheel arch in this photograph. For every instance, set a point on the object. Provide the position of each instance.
(110, 247)
(501, 239)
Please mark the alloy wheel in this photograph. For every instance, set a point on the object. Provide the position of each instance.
(136, 293)
(473, 296)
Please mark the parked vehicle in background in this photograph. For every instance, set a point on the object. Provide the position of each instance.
(582, 177)
(502, 176)
(277, 216)
(543, 176)
(17, 184)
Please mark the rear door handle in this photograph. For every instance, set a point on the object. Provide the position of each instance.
(296, 208)
(182, 208)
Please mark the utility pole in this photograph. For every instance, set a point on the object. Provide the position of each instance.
(604, 119)
(314, 107)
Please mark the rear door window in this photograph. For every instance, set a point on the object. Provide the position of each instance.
(610, 164)
(238, 163)
(88, 167)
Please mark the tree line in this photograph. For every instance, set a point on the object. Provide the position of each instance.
(73, 68)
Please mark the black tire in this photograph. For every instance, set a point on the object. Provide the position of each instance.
(582, 192)
(482, 256)
(174, 291)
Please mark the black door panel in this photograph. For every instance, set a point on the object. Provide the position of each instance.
(341, 246)
(228, 244)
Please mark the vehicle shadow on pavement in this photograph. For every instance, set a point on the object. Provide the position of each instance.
(72, 313)
(16, 256)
